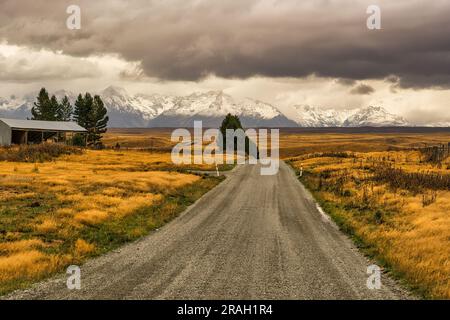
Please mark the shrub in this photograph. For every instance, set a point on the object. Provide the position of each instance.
(37, 152)
(413, 181)
(78, 140)
(378, 217)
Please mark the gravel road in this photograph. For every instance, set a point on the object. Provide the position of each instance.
(252, 237)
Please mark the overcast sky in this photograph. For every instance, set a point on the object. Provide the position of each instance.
(317, 52)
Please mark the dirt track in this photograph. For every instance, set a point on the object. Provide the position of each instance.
(252, 237)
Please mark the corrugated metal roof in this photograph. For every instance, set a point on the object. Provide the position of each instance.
(43, 125)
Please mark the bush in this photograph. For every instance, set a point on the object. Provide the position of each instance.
(413, 181)
(78, 140)
(37, 152)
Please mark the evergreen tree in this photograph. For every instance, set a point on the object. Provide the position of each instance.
(90, 113)
(53, 114)
(233, 122)
(82, 109)
(97, 121)
(42, 108)
(46, 108)
(230, 122)
(65, 110)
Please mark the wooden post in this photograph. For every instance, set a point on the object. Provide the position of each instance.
(26, 137)
(42, 136)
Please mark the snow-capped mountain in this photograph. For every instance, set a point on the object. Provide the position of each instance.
(307, 116)
(155, 110)
(374, 117)
(125, 110)
(439, 124)
(16, 107)
(211, 107)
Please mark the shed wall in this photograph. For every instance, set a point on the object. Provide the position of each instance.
(5, 134)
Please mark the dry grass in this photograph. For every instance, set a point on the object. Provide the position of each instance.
(294, 144)
(29, 264)
(56, 213)
(83, 248)
(155, 139)
(410, 236)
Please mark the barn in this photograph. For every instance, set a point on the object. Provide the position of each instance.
(14, 131)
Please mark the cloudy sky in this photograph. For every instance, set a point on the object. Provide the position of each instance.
(317, 52)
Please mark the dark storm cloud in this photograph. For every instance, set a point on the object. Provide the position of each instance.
(188, 40)
(362, 89)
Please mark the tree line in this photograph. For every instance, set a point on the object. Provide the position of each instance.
(89, 112)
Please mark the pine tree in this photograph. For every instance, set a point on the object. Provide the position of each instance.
(90, 113)
(65, 110)
(53, 111)
(97, 121)
(233, 122)
(82, 109)
(41, 108)
(230, 122)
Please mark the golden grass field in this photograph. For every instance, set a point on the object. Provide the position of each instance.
(56, 213)
(60, 212)
(406, 229)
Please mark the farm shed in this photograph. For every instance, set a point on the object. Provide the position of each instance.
(14, 131)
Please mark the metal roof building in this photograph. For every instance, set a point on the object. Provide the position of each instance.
(14, 131)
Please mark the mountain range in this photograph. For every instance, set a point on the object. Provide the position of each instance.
(155, 110)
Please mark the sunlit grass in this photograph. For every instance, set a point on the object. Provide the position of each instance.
(396, 226)
(56, 213)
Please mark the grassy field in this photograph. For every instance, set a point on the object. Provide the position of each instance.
(60, 212)
(293, 143)
(396, 206)
(153, 139)
(58, 209)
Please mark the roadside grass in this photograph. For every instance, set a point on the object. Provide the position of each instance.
(405, 229)
(58, 213)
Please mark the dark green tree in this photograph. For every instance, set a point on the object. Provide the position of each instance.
(83, 106)
(233, 122)
(54, 109)
(97, 121)
(230, 122)
(65, 110)
(91, 114)
(42, 107)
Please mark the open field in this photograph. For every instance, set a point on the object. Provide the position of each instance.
(297, 141)
(153, 139)
(60, 212)
(377, 186)
(395, 204)
(293, 143)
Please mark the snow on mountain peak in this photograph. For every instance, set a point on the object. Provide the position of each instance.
(307, 116)
(374, 116)
(142, 110)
